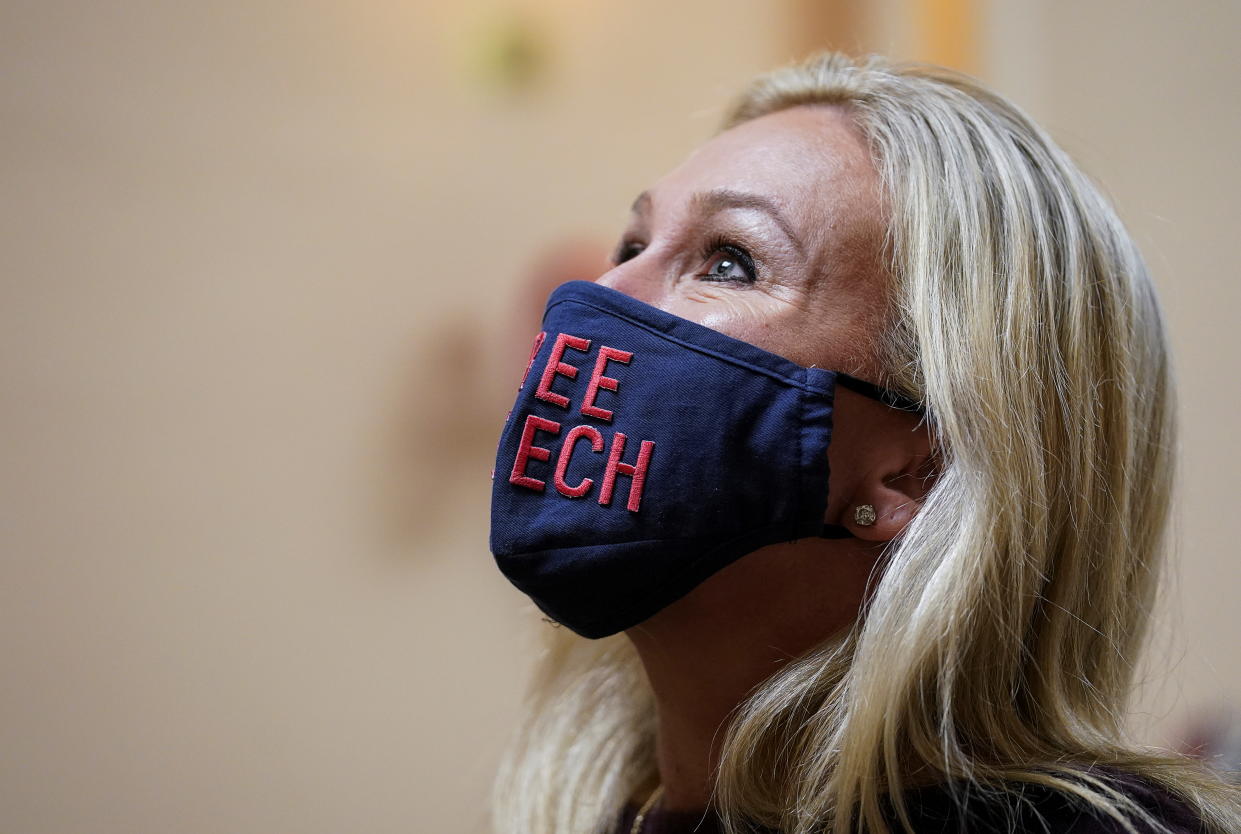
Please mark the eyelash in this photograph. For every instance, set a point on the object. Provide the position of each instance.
(627, 249)
(739, 254)
(714, 244)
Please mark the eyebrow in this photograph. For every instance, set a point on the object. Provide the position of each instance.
(719, 199)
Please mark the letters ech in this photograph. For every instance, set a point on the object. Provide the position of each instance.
(529, 448)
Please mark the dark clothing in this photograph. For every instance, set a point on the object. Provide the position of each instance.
(933, 811)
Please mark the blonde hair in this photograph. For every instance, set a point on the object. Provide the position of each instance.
(999, 646)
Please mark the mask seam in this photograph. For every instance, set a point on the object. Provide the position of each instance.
(580, 547)
(801, 448)
(808, 468)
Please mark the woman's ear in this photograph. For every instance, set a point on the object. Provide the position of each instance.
(893, 490)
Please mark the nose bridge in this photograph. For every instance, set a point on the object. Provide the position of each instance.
(640, 277)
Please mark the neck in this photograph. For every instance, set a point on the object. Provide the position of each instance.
(706, 653)
(693, 701)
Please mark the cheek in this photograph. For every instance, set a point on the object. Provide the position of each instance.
(751, 316)
(811, 331)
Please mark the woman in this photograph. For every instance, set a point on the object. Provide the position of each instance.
(820, 604)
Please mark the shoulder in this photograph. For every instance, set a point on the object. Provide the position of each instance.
(1028, 809)
(1035, 808)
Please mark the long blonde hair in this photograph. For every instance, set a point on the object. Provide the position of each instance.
(999, 646)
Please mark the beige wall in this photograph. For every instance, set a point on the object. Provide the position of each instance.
(245, 579)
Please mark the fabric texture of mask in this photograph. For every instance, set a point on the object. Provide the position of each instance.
(645, 452)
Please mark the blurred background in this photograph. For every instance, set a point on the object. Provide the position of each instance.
(269, 276)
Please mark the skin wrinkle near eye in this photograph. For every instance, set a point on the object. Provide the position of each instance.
(779, 272)
(707, 205)
(745, 304)
(723, 199)
(704, 296)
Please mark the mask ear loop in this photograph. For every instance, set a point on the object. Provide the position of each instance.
(888, 397)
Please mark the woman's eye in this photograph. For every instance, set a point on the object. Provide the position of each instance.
(728, 263)
(627, 251)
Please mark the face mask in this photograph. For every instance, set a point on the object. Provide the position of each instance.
(646, 452)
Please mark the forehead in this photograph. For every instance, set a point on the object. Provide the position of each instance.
(811, 160)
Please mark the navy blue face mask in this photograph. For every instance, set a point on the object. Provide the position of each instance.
(646, 452)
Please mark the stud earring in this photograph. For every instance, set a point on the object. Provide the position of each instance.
(864, 515)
